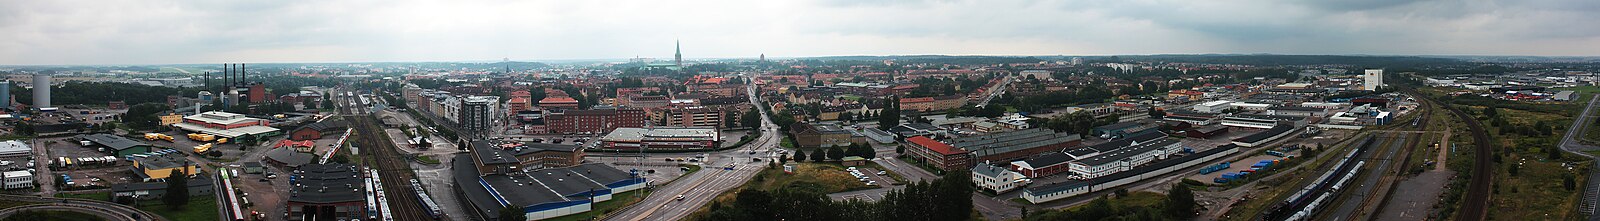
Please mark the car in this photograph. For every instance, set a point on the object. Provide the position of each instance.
(881, 173)
(694, 160)
(680, 197)
(684, 168)
(872, 183)
(755, 159)
(272, 176)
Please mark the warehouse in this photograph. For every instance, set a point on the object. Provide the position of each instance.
(1266, 136)
(115, 145)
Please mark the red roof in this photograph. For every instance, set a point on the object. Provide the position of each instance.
(521, 93)
(519, 100)
(935, 145)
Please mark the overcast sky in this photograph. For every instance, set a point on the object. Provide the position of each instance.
(207, 31)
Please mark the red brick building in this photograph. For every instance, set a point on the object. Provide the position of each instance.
(937, 154)
(598, 121)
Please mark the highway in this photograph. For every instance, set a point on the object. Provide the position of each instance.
(700, 188)
(1591, 190)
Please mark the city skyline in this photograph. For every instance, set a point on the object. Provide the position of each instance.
(137, 32)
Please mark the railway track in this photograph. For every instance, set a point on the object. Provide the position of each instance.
(1475, 203)
(381, 154)
(1405, 159)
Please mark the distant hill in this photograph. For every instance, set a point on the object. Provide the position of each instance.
(1272, 60)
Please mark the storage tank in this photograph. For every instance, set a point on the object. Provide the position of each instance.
(41, 91)
(5, 94)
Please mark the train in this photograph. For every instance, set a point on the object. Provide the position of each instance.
(1303, 203)
(383, 202)
(427, 203)
(372, 198)
(234, 210)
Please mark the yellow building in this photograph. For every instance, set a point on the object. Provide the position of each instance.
(160, 166)
(170, 119)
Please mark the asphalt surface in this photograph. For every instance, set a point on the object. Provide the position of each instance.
(702, 187)
(1591, 190)
(104, 209)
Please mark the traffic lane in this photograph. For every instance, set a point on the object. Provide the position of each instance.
(911, 173)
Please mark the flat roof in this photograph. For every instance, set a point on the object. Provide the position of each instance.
(328, 183)
(11, 147)
(565, 182)
(1127, 151)
(638, 134)
(522, 191)
(230, 133)
(113, 141)
(1263, 135)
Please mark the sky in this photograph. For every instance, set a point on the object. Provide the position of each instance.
(110, 32)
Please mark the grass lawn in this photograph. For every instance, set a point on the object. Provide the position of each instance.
(199, 208)
(427, 160)
(820, 177)
(600, 210)
(101, 196)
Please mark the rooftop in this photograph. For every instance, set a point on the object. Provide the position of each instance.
(328, 183)
(638, 134)
(1263, 135)
(112, 141)
(935, 145)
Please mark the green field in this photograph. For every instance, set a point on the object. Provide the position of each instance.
(820, 177)
(199, 208)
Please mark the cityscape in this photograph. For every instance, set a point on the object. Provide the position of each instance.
(809, 110)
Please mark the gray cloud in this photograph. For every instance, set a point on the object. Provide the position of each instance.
(173, 31)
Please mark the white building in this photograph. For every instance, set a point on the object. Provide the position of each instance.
(1250, 106)
(997, 179)
(1213, 106)
(1374, 79)
(14, 149)
(18, 179)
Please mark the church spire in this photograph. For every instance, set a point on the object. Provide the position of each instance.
(677, 55)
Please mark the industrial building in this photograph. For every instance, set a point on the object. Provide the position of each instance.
(199, 186)
(15, 150)
(814, 135)
(1121, 155)
(511, 157)
(20, 179)
(115, 145)
(328, 192)
(1267, 136)
(1014, 145)
(229, 125)
(662, 138)
(541, 194)
(161, 164)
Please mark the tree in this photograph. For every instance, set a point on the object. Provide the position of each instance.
(900, 149)
(799, 156)
(1157, 113)
(1180, 201)
(177, 189)
(836, 153)
(890, 116)
(751, 119)
(326, 103)
(783, 159)
(1568, 182)
(819, 155)
(727, 120)
(512, 213)
(143, 116)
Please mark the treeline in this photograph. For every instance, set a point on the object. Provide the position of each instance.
(99, 93)
(1179, 204)
(947, 198)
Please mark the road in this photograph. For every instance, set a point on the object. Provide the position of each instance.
(109, 210)
(1591, 192)
(702, 187)
(996, 91)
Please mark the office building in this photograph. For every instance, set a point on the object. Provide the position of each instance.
(479, 113)
(1373, 79)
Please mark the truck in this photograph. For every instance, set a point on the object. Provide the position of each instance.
(202, 148)
(157, 136)
(202, 137)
